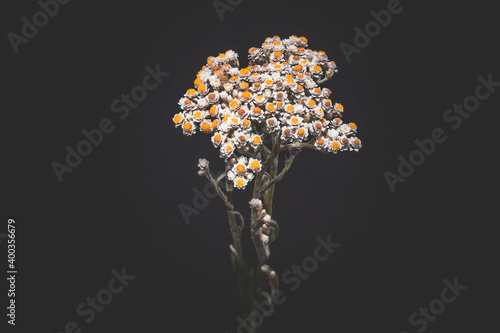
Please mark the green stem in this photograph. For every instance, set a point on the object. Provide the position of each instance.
(236, 233)
(269, 194)
(274, 179)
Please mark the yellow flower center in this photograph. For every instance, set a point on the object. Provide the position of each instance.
(213, 109)
(205, 127)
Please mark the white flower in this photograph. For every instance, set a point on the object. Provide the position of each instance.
(264, 239)
(317, 127)
(255, 203)
(215, 83)
(227, 149)
(318, 112)
(202, 103)
(255, 141)
(272, 124)
(339, 108)
(344, 129)
(354, 144)
(336, 122)
(203, 164)
(295, 120)
(240, 182)
(178, 119)
(287, 133)
(254, 165)
(199, 115)
(276, 76)
(241, 138)
(240, 168)
(186, 103)
(231, 55)
(332, 133)
(334, 146)
(218, 138)
(234, 71)
(320, 142)
(213, 97)
(301, 133)
(188, 128)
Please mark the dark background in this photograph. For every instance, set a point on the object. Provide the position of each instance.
(119, 207)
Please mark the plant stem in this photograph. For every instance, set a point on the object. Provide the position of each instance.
(270, 185)
(236, 233)
(269, 194)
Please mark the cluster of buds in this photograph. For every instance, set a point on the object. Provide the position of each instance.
(269, 271)
(277, 93)
(203, 165)
(264, 230)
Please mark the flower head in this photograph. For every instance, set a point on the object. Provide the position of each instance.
(277, 92)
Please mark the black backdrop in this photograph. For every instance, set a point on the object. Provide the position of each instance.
(119, 207)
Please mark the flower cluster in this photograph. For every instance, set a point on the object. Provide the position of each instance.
(277, 93)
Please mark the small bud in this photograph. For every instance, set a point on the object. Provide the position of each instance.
(256, 204)
(203, 164)
(264, 239)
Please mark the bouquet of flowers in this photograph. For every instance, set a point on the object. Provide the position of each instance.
(253, 115)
